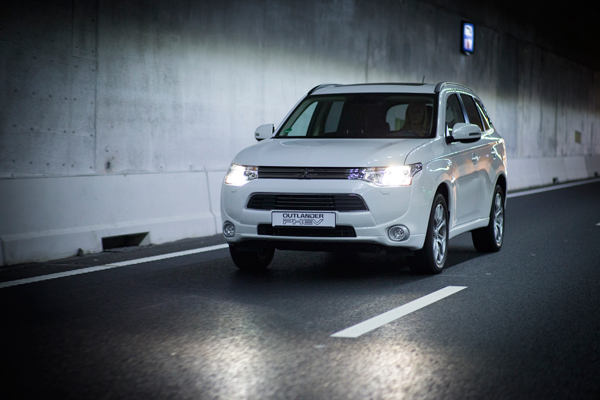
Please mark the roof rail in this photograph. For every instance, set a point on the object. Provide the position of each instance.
(440, 86)
(320, 87)
(388, 83)
(324, 85)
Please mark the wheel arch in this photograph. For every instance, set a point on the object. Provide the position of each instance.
(444, 190)
(501, 181)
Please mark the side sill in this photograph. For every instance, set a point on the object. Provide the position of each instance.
(469, 226)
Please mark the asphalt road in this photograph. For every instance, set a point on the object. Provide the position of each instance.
(525, 323)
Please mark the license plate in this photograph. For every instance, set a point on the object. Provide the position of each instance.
(303, 218)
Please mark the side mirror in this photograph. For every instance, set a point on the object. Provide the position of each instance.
(264, 132)
(465, 133)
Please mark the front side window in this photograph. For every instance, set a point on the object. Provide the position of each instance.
(454, 113)
(471, 109)
(301, 124)
(362, 115)
(484, 115)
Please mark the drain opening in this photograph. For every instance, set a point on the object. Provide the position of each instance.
(115, 243)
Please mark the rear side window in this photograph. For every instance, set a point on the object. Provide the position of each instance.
(471, 110)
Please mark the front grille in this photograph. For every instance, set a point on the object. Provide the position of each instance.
(309, 173)
(307, 202)
(338, 231)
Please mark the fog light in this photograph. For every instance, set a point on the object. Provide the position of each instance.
(228, 229)
(398, 233)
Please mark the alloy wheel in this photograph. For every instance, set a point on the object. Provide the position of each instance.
(498, 219)
(439, 234)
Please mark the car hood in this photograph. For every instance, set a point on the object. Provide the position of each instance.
(328, 152)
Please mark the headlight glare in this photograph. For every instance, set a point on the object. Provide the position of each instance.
(400, 175)
(239, 175)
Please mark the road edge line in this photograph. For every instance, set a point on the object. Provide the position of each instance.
(88, 270)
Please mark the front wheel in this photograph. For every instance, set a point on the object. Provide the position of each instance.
(490, 238)
(252, 260)
(432, 257)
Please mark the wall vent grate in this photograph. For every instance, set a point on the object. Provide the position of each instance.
(121, 242)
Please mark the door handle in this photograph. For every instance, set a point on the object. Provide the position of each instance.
(475, 159)
(495, 154)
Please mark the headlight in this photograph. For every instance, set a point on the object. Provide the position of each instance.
(392, 176)
(239, 175)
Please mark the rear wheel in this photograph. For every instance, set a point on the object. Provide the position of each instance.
(432, 257)
(490, 238)
(252, 260)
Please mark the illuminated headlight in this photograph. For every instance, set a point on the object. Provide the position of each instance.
(401, 175)
(239, 175)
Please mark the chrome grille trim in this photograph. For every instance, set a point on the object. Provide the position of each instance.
(309, 173)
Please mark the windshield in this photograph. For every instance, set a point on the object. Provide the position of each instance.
(362, 115)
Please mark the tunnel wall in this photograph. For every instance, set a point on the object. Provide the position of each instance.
(121, 117)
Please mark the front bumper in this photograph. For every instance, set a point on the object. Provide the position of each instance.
(408, 206)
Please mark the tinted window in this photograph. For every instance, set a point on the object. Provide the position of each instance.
(484, 115)
(483, 118)
(471, 109)
(333, 119)
(362, 115)
(300, 125)
(454, 112)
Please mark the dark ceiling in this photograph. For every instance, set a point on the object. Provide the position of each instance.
(568, 28)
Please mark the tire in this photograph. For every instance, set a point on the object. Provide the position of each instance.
(432, 257)
(252, 260)
(489, 239)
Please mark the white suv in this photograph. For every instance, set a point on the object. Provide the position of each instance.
(368, 167)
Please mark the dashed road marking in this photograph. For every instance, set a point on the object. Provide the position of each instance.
(392, 315)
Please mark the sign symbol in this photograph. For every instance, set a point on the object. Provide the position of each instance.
(468, 37)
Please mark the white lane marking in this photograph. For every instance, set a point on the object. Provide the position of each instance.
(109, 266)
(169, 255)
(549, 188)
(392, 315)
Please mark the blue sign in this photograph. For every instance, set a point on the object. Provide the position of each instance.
(468, 38)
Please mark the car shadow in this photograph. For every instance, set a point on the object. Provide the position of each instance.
(461, 250)
(317, 266)
(329, 266)
(461, 254)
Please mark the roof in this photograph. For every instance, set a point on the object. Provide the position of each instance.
(331, 88)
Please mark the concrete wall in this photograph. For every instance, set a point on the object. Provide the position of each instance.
(118, 117)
